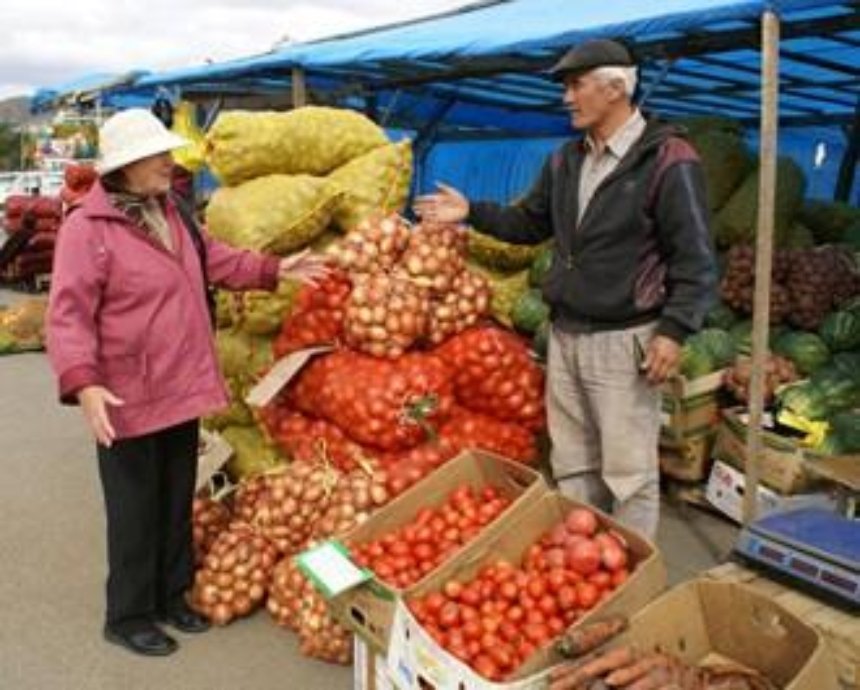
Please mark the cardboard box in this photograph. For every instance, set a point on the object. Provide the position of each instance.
(839, 629)
(783, 464)
(368, 609)
(690, 407)
(690, 461)
(370, 671)
(704, 620)
(417, 662)
(726, 487)
(690, 416)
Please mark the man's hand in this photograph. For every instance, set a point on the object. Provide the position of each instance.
(304, 267)
(94, 402)
(661, 359)
(445, 206)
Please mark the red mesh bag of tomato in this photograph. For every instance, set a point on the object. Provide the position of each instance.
(388, 405)
(307, 439)
(405, 468)
(466, 429)
(494, 374)
(317, 316)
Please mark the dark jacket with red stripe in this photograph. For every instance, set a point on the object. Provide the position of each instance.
(642, 250)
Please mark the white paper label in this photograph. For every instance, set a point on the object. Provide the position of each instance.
(330, 569)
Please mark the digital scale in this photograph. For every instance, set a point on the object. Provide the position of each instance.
(812, 546)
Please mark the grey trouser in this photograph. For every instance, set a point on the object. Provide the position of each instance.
(604, 422)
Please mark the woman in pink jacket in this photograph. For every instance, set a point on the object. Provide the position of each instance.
(129, 338)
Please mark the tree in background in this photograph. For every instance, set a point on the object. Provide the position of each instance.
(11, 142)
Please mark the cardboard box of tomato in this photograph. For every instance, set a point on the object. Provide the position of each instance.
(368, 609)
(522, 587)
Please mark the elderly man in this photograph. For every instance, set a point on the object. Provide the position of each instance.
(632, 276)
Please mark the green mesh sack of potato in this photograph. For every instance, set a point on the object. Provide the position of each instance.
(506, 290)
(277, 213)
(238, 413)
(314, 140)
(262, 313)
(738, 219)
(376, 183)
(252, 455)
(501, 256)
(726, 161)
(242, 354)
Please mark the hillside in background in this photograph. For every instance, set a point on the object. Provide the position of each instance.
(16, 110)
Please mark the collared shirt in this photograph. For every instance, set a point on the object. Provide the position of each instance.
(598, 164)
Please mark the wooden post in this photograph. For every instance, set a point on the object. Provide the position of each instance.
(764, 253)
(300, 93)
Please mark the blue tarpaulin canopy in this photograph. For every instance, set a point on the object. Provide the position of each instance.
(478, 71)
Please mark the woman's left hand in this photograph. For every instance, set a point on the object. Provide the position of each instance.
(304, 267)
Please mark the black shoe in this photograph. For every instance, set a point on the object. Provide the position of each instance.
(185, 619)
(141, 638)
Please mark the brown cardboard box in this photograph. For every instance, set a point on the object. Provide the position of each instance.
(783, 463)
(704, 620)
(369, 608)
(416, 661)
(690, 415)
(840, 630)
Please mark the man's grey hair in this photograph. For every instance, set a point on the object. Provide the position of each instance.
(613, 73)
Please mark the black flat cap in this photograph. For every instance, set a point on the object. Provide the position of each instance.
(586, 56)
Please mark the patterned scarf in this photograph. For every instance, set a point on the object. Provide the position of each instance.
(146, 211)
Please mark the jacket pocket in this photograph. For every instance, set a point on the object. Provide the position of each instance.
(125, 376)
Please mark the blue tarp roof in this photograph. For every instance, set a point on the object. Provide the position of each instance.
(86, 87)
(489, 56)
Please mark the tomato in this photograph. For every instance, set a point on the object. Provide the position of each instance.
(508, 591)
(461, 652)
(472, 629)
(556, 579)
(434, 602)
(449, 615)
(469, 613)
(547, 605)
(619, 577)
(555, 557)
(587, 594)
(601, 579)
(584, 557)
(536, 587)
(515, 614)
(399, 548)
(453, 589)
(471, 595)
(486, 667)
(614, 557)
(537, 633)
(508, 631)
(556, 626)
(581, 521)
(567, 598)
(503, 655)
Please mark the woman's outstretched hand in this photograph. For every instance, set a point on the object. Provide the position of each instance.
(304, 267)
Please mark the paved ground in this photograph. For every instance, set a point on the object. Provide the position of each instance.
(52, 569)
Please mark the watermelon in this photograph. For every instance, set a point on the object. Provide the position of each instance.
(741, 333)
(721, 316)
(718, 344)
(804, 399)
(845, 427)
(540, 266)
(806, 350)
(848, 363)
(696, 361)
(839, 391)
(841, 330)
(529, 312)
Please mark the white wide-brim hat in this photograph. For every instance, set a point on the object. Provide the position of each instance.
(132, 135)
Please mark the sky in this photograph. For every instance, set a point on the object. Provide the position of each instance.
(49, 42)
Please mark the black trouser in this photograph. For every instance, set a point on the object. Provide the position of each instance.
(148, 484)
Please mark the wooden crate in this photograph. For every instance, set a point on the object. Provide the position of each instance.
(840, 630)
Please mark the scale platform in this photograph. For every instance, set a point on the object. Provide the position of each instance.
(812, 546)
